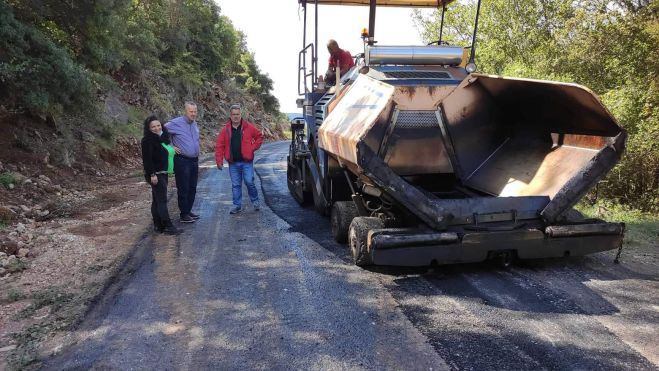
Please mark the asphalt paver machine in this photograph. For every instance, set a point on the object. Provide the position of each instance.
(419, 160)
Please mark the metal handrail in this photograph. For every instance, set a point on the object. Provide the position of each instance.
(302, 68)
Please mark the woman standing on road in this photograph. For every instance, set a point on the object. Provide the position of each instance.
(158, 160)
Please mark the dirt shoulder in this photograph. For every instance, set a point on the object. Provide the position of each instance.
(64, 263)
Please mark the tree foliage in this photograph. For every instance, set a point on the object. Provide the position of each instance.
(610, 46)
(188, 42)
(35, 74)
(250, 76)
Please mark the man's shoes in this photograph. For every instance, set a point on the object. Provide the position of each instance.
(159, 228)
(257, 205)
(194, 216)
(171, 230)
(187, 219)
(235, 210)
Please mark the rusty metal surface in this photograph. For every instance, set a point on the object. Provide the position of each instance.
(582, 141)
(415, 144)
(519, 137)
(585, 179)
(421, 97)
(562, 107)
(522, 166)
(361, 107)
(473, 122)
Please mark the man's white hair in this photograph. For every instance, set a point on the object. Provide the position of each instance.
(235, 106)
(190, 104)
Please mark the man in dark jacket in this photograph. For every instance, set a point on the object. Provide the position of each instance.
(236, 143)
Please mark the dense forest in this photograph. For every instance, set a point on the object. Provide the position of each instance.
(97, 68)
(610, 46)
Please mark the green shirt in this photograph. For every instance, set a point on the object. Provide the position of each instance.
(170, 157)
(236, 139)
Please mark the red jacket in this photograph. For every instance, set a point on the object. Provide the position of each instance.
(252, 140)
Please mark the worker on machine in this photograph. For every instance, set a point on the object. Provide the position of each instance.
(338, 58)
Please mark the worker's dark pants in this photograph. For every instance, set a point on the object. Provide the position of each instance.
(186, 170)
(159, 210)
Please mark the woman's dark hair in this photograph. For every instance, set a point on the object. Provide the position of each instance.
(147, 122)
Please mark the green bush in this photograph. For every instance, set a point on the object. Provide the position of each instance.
(15, 295)
(53, 297)
(642, 228)
(6, 179)
(17, 265)
(6, 217)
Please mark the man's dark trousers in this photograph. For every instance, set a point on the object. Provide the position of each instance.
(186, 170)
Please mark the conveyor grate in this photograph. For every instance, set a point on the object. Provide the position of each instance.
(416, 120)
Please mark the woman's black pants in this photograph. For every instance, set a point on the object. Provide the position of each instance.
(159, 202)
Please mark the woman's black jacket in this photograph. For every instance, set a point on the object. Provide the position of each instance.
(154, 155)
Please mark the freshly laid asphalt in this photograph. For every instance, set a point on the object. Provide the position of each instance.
(270, 289)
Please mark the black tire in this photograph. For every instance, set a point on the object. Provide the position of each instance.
(357, 236)
(342, 214)
(319, 202)
(294, 180)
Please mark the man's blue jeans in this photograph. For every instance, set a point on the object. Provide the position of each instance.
(242, 171)
(186, 171)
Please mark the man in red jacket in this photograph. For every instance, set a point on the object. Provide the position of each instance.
(236, 143)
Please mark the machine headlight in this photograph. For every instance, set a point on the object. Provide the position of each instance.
(471, 67)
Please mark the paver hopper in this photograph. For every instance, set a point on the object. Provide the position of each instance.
(495, 160)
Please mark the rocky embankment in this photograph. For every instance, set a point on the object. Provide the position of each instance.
(31, 203)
